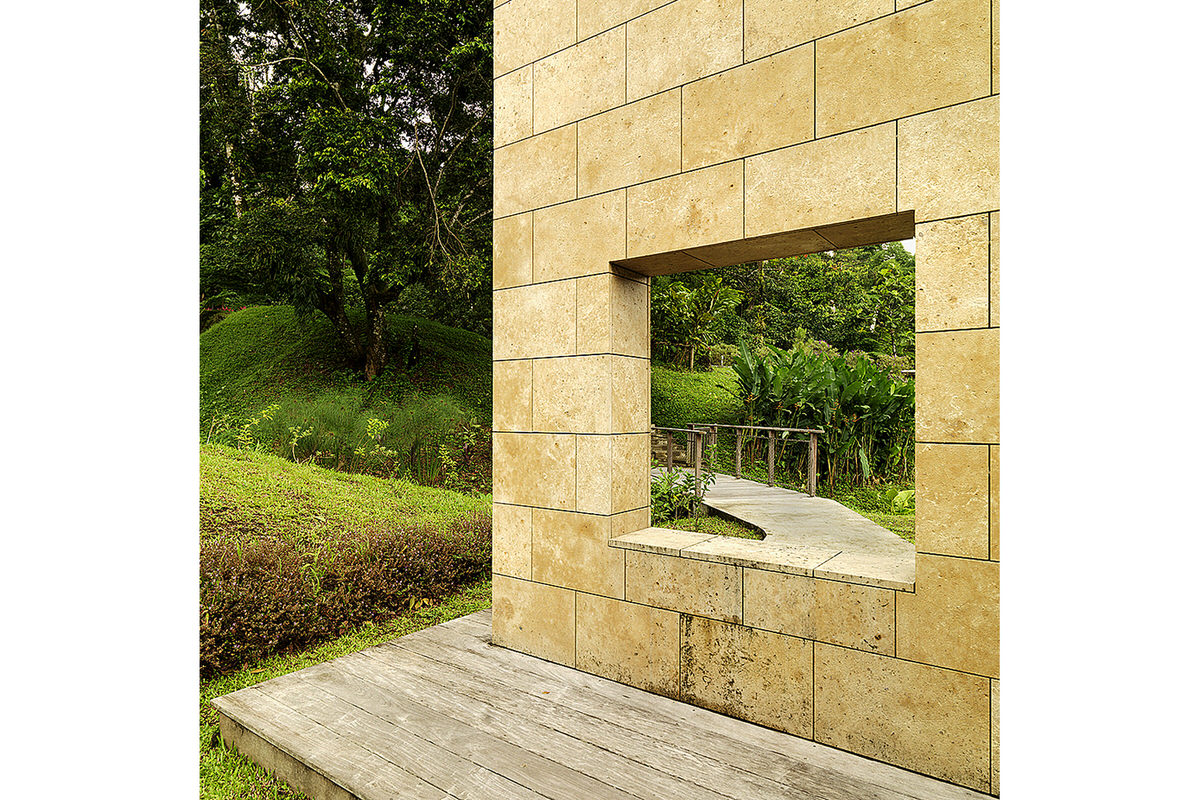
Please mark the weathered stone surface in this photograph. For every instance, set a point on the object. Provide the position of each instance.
(534, 469)
(754, 675)
(511, 540)
(662, 540)
(958, 386)
(950, 160)
(952, 499)
(953, 619)
(535, 172)
(995, 737)
(772, 25)
(513, 99)
(630, 471)
(629, 643)
(526, 30)
(535, 619)
(846, 177)
(573, 395)
(695, 208)
(534, 321)
(856, 616)
(578, 238)
(749, 109)
(994, 270)
(630, 394)
(512, 396)
(702, 588)
(952, 274)
(613, 315)
(600, 15)
(512, 251)
(579, 81)
(924, 718)
(571, 550)
(593, 474)
(928, 57)
(628, 145)
(994, 503)
(682, 41)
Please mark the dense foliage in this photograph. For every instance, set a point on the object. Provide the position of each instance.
(867, 415)
(859, 299)
(346, 161)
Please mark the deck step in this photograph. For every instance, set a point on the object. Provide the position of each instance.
(442, 713)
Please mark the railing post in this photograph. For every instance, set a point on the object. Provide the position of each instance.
(670, 450)
(737, 458)
(812, 465)
(771, 458)
(699, 440)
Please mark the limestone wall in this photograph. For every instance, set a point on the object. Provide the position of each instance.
(640, 137)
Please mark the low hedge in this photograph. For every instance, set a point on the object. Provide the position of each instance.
(261, 596)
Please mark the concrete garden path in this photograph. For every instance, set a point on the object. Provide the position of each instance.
(793, 518)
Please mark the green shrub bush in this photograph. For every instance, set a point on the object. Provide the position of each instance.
(262, 596)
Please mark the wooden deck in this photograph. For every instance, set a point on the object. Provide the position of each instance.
(442, 713)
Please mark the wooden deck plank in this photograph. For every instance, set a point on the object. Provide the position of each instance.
(442, 713)
(343, 761)
(711, 733)
(670, 754)
(449, 772)
(408, 711)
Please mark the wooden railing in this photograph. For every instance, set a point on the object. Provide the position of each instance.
(699, 434)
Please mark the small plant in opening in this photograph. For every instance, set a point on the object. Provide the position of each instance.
(676, 493)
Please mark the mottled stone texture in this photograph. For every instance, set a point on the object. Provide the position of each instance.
(638, 137)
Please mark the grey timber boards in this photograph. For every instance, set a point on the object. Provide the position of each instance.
(442, 713)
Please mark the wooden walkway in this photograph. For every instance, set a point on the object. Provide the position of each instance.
(442, 713)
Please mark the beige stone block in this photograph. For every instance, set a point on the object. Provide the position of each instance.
(856, 616)
(526, 30)
(594, 474)
(512, 95)
(512, 251)
(953, 619)
(952, 499)
(755, 107)
(614, 316)
(681, 42)
(571, 550)
(842, 178)
(573, 395)
(995, 46)
(920, 717)
(600, 15)
(994, 270)
(533, 618)
(634, 143)
(754, 675)
(994, 503)
(692, 209)
(578, 238)
(512, 542)
(996, 737)
(772, 25)
(579, 81)
(928, 57)
(949, 160)
(958, 386)
(629, 521)
(952, 274)
(630, 394)
(535, 172)
(534, 469)
(702, 588)
(628, 643)
(512, 396)
(630, 471)
(534, 321)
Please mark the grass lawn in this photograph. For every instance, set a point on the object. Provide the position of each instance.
(226, 774)
(715, 524)
(246, 493)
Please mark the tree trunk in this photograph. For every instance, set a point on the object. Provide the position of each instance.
(376, 347)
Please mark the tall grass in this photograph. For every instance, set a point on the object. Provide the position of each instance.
(422, 438)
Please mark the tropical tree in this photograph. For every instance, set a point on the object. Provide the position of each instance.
(346, 159)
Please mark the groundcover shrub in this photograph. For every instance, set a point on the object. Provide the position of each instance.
(261, 596)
